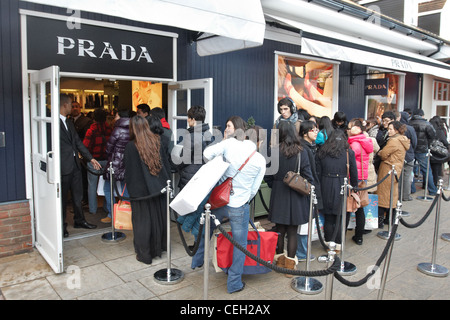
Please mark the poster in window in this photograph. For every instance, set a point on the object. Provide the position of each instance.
(146, 92)
(379, 104)
(308, 83)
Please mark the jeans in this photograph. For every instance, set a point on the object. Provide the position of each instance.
(239, 219)
(302, 246)
(423, 163)
(107, 191)
(92, 185)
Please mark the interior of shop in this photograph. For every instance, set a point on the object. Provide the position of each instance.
(108, 94)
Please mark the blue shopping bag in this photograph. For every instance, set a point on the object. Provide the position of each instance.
(371, 213)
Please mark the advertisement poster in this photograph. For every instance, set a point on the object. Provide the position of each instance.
(378, 104)
(308, 83)
(146, 92)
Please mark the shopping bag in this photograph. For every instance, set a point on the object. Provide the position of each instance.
(122, 215)
(101, 185)
(371, 213)
(303, 229)
(200, 185)
(260, 243)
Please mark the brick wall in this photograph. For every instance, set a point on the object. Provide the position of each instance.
(15, 228)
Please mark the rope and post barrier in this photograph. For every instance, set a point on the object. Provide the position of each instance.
(433, 269)
(308, 285)
(387, 234)
(113, 236)
(347, 268)
(169, 275)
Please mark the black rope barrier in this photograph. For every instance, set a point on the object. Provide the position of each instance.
(444, 197)
(336, 265)
(374, 185)
(421, 221)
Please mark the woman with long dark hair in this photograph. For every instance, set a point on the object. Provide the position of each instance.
(331, 167)
(146, 171)
(436, 163)
(288, 209)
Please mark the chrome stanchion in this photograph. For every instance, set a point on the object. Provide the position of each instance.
(330, 277)
(425, 197)
(400, 193)
(448, 181)
(386, 234)
(389, 254)
(347, 268)
(308, 285)
(113, 236)
(433, 269)
(206, 219)
(169, 275)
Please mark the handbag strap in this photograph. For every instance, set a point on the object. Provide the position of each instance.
(242, 166)
(299, 161)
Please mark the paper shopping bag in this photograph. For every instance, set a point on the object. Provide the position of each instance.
(200, 185)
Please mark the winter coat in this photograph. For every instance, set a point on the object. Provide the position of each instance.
(332, 172)
(288, 207)
(115, 147)
(425, 133)
(363, 147)
(311, 150)
(372, 177)
(392, 154)
(411, 135)
(194, 159)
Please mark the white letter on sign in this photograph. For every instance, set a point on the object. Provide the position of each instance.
(62, 47)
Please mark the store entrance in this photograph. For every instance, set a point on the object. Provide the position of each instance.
(108, 95)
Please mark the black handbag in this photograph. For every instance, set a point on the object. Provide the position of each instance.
(438, 149)
(296, 182)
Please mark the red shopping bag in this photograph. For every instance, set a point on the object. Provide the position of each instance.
(260, 243)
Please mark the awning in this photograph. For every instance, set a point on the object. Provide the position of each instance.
(351, 49)
(241, 21)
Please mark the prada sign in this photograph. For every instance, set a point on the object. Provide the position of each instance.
(99, 50)
(376, 87)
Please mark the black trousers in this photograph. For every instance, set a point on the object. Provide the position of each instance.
(72, 183)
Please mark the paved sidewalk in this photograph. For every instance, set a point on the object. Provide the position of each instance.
(100, 270)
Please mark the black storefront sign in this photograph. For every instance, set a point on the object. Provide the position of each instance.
(376, 87)
(98, 50)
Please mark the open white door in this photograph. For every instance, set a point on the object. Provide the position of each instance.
(183, 94)
(44, 104)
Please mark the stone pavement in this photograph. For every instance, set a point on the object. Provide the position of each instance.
(108, 271)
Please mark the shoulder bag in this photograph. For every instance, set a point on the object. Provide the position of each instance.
(353, 201)
(296, 182)
(220, 195)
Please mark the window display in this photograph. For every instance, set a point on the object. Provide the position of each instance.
(378, 104)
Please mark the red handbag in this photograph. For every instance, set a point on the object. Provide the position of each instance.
(220, 195)
(260, 243)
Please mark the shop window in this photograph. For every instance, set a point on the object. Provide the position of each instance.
(308, 83)
(378, 104)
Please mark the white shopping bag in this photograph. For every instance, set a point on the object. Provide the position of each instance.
(303, 229)
(200, 185)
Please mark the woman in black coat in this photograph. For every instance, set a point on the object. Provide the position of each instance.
(331, 165)
(436, 163)
(288, 208)
(147, 170)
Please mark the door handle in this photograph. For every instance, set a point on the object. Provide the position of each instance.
(49, 167)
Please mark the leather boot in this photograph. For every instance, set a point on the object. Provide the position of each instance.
(290, 264)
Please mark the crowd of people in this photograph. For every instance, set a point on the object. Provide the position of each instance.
(324, 151)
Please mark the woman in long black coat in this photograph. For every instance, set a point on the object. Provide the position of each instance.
(147, 170)
(331, 165)
(288, 208)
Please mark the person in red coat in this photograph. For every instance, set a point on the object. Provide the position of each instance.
(363, 147)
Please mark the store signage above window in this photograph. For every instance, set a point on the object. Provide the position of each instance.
(99, 50)
(376, 87)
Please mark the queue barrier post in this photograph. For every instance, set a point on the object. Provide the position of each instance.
(168, 275)
(206, 220)
(347, 268)
(330, 277)
(433, 269)
(308, 285)
(113, 236)
(387, 234)
(389, 254)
